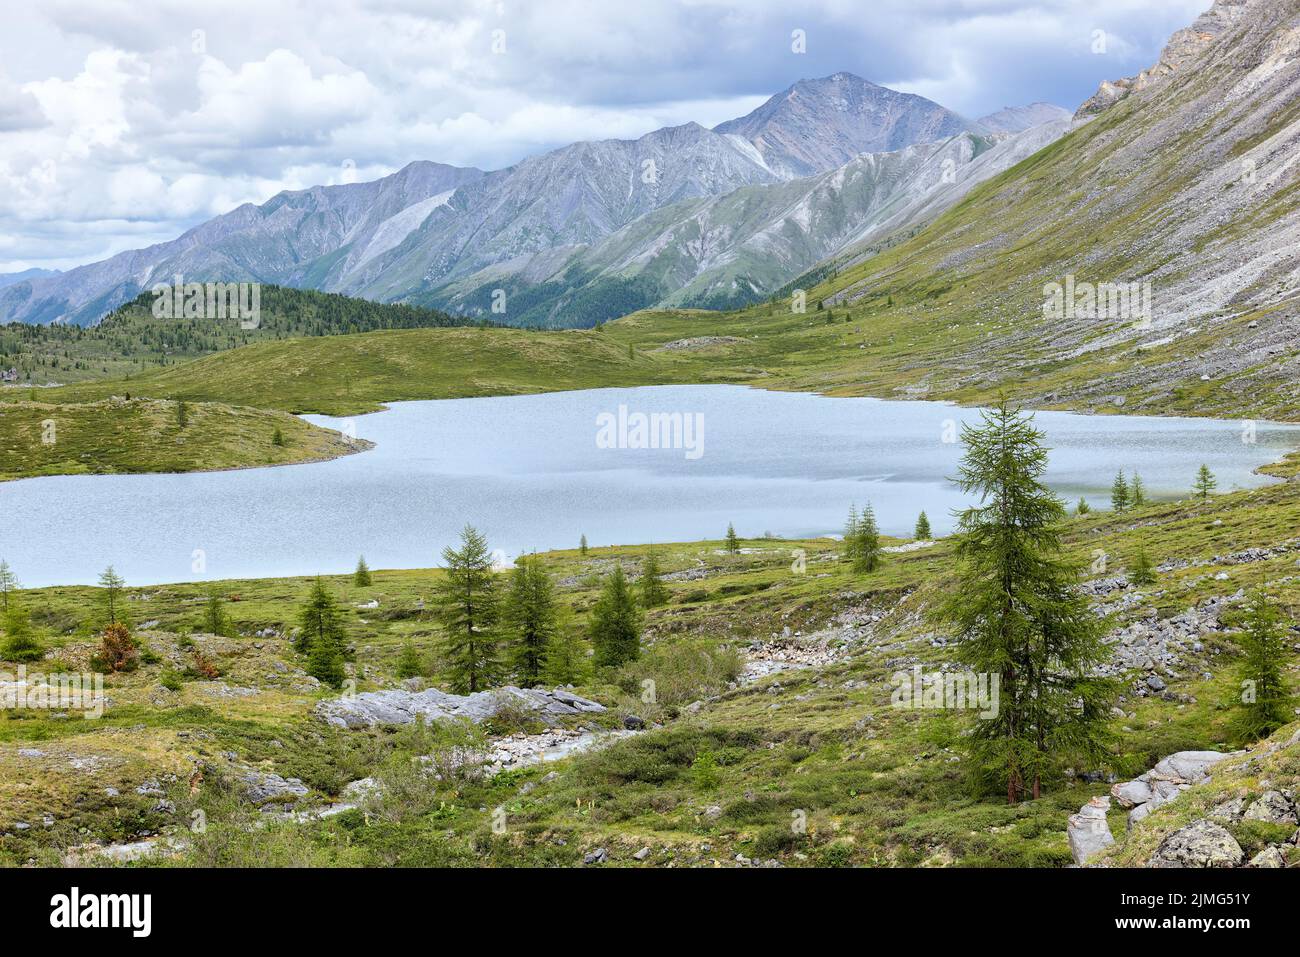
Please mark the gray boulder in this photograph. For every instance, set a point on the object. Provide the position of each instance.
(1273, 807)
(264, 786)
(1269, 857)
(1131, 793)
(1186, 767)
(1088, 831)
(1200, 844)
(377, 708)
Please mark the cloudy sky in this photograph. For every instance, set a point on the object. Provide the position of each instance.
(124, 122)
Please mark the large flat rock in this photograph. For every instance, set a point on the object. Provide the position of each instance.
(377, 708)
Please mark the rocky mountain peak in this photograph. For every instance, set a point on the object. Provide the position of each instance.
(819, 124)
(1183, 46)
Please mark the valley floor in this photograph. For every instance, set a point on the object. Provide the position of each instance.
(770, 738)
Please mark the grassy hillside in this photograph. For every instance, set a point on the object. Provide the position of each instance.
(724, 765)
(144, 435)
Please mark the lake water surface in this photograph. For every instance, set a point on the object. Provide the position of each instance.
(529, 472)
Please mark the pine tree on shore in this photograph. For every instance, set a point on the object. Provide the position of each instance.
(922, 532)
(1018, 615)
(851, 540)
(530, 614)
(616, 622)
(1119, 497)
(1205, 482)
(1265, 703)
(867, 553)
(653, 591)
(468, 609)
(1137, 493)
(1083, 508)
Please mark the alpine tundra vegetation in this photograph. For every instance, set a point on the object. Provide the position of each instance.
(1048, 685)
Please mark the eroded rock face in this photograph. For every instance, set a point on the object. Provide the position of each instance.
(1200, 844)
(376, 708)
(1163, 783)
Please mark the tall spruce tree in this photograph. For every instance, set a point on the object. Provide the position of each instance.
(1205, 482)
(616, 622)
(651, 586)
(530, 613)
(922, 532)
(1018, 614)
(582, 545)
(321, 635)
(1265, 702)
(867, 555)
(467, 607)
(1119, 498)
(1137, 493)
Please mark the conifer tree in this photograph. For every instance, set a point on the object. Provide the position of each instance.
(582, 546)
(1205, 482)
(20, 644)
(616, 622)
(867, 553)
(215, 620)
(653, 590)
(922, 532)
(409, 664)
(1119, 497)
(1137, 493)
(733, 543)
(530, 614)
(8, 585)
(361, 577)
(1143, 572)
(467, 607)
(182, 414)
(1017, 613)
(319, 620)
(566, 660)
(852, 530)
(325, 663)
(1083, 508)
(1265, 702)
(112, 583)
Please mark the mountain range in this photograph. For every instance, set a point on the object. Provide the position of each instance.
(681, 216)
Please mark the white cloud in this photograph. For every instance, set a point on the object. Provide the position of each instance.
(124, 122)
